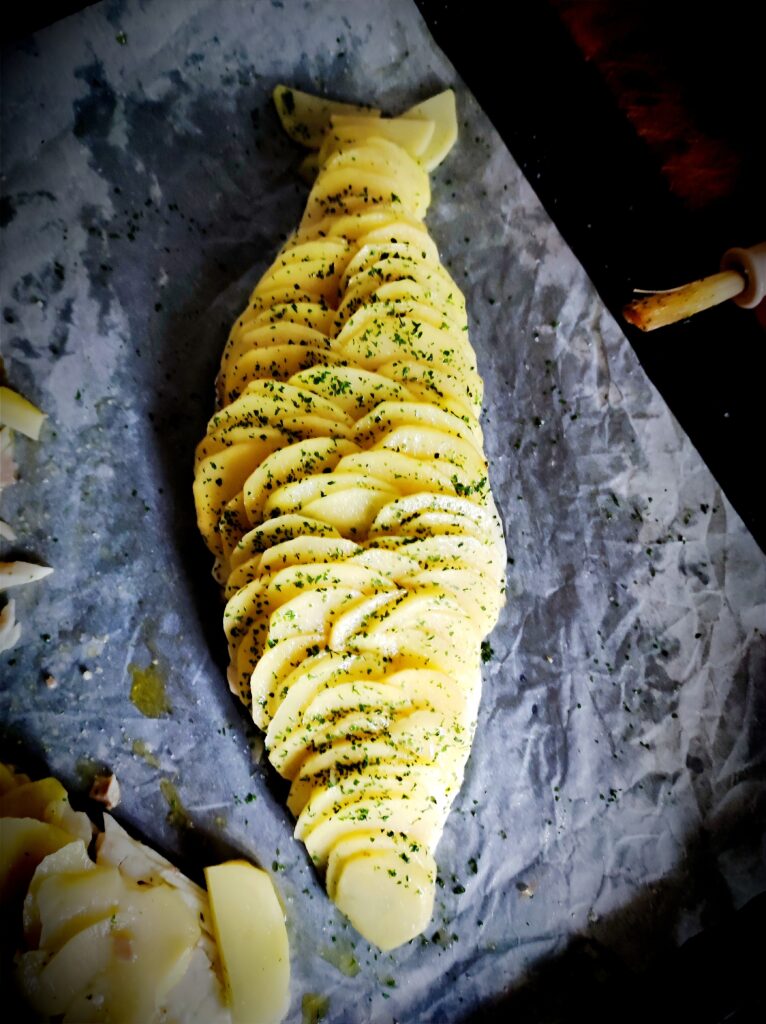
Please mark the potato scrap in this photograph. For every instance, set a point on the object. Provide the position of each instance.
(19, 414)
(16, 412)
(10, 629)
(105, 789)
(125, 937)
(306, 118)
(16, 574)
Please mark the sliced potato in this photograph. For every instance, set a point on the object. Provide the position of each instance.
(24, 842)
(406, 474)
(322, 669)
(354, 390)
(311, 612)
(10, 778)
(412, 135)
(308, 549)
(416, 819)
(311, 458)
(362, 558)
(298, 580)
(220, 476)
(46, 800)
(19, 414)
(69, 859)
(389, 901)
(442, 110)
(267, 682)
(306, 117)
(276, 531)
(422, 248)
(249, 926)
(69, 901)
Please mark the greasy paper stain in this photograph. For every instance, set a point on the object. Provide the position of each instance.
(143, 750)
(314, 1007)
(178, 816)
(148, 690)
(342, 957)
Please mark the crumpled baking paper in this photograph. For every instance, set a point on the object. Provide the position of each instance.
(616, 786)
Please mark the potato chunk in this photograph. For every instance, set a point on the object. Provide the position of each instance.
(250, 928)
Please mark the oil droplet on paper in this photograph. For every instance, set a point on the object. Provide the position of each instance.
(143, 750)
(178, 816)
(314, 1007)
(148, 690)
(341, 956)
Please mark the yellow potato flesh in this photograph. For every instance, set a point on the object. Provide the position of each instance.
(249, 926)
(10, 778)
(111, 939)
(68, 901)
(442, 111)
(387, 900)
(47, 801)
(363, 560)
(24, 842)
(412, 135)
(130, 959)
(306, 117)
(69, 859)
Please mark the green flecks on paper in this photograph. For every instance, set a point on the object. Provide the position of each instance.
(178, 816)
(147, 691)
(314, 1007)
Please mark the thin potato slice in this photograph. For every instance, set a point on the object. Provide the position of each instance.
(306, 118)
(250, 929)
(440, 109)
(412, 135)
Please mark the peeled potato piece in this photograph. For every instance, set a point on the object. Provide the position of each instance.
(121, 935)
(18, 413)
(387, 892)
(250, 929)
(362, 555)
(24, 842)
(412, 135)
(306, 118)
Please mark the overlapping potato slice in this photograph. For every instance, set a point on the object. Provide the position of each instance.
(121, 935)
(413, 135)
(362, 556)
(306, 118)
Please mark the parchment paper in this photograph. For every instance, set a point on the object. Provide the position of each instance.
(616, 787)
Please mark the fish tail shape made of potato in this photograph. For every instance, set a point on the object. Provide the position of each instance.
(342, 487)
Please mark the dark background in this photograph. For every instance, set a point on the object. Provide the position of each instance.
(641, 128)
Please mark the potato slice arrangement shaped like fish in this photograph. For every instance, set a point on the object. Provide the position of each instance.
(342, 487)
